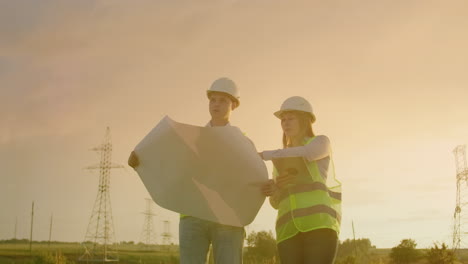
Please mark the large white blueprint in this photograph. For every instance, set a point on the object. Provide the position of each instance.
(211, 173)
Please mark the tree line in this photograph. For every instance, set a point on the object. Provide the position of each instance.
(261, 248)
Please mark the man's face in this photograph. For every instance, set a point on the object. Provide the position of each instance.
(220, 105)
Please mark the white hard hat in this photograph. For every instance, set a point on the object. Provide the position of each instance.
(296, 103)
(227, 86)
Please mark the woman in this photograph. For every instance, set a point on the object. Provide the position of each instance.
(309, 209)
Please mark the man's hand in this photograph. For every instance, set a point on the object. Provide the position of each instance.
(133, 160)
(269, 188)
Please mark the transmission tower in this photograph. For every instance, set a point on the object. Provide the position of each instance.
(100, 233)
(460, 215)
(148, 235)
(166, 235)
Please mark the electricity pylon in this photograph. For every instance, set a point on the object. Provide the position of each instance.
(167, 235)
(148, 235)
(460, 215)
(100, 233)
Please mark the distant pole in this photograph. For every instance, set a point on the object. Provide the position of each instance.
(50, 229)
(16, 227)
(354, 240)
(31, 234)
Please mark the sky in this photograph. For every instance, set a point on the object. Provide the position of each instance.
(387, 81)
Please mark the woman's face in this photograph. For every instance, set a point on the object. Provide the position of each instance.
(290, 124)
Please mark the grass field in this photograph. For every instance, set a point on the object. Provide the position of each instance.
(70, 253)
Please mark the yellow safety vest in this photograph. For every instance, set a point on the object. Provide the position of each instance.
(311, 205)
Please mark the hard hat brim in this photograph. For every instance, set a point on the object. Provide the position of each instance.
(280, 112)
(208, 92)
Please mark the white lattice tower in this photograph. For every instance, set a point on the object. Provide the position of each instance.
(460, 215)
(148, 235)
(100, 233)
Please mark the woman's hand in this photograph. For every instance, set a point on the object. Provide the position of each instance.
(283, 180)
(269, 188)
(133, 160)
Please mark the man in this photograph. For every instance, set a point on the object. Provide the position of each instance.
(195, 234)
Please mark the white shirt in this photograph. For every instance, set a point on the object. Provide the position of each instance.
(209, 124)
(317, 150)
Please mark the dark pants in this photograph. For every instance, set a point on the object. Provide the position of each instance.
(313, 247)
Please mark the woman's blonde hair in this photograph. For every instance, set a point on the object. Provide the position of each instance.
(305, 124)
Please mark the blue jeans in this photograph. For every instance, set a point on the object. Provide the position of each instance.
(196, 235)
(313, 247)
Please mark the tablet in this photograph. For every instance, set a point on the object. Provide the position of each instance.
(293, 166)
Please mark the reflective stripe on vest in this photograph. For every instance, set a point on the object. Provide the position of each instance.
(309, 206)
(307, 188)
(316, 209)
